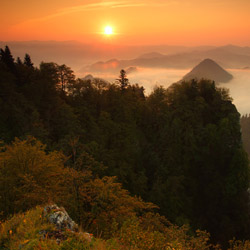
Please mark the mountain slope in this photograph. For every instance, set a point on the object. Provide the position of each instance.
(209, 69)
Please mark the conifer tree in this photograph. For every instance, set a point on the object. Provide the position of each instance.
(7, 58)
(19, 61)
(27, 61)
(123, 79)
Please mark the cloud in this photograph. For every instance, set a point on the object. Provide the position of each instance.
(102, 5)
(89, 7)
(99, 5)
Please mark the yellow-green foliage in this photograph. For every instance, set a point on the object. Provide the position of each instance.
(22, 232)
(28, 175)
(239, 245)
(134, 234)
(111, 205)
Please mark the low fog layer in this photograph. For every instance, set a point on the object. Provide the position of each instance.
(239, 87)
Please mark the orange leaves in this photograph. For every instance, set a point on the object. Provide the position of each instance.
(111, 205)
(29, 175)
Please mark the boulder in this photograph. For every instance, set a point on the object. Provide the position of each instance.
(60, 218)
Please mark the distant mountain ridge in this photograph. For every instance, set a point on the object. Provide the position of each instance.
(228, 56)
(209, 69)
(82, 57)
(151, 55)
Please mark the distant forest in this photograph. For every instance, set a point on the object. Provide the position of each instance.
(178, 148)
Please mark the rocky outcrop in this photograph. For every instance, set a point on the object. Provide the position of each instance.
(60, 218)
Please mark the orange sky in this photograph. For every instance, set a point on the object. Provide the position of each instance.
(173, 22)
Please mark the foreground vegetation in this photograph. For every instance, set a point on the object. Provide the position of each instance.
(99, 149)
(23, 231)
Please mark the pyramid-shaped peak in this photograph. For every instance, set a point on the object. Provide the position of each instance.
(209, 63)
(208, 60)
(209, 69)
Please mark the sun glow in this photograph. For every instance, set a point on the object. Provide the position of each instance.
(108, 30)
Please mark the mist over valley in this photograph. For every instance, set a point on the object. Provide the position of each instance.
(149, 78)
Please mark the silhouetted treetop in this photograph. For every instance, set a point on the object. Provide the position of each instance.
(123, 79)
(7, 58)
(27, 61)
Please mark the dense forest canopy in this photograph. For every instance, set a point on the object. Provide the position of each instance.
(179, 148)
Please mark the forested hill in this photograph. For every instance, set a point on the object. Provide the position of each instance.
(179, 148)
(245, 127)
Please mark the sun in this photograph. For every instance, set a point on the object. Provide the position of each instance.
(108, 30)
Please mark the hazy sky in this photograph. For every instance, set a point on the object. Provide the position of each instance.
(174, 22)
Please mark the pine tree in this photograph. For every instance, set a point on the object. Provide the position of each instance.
(27, 61)
(123, 79)
(19, 61)
(7, 58)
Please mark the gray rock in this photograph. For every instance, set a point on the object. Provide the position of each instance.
(60, 218)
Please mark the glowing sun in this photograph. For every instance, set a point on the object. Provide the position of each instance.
(108, 30)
